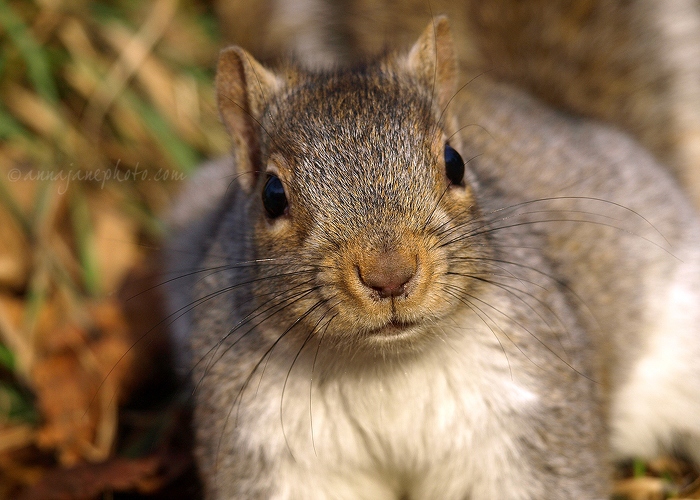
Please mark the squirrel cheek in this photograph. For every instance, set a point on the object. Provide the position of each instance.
(276, 235)
(462, 196)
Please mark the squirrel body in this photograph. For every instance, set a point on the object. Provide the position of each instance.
(366, 319)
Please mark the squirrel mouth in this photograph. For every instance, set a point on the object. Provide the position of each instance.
(393, 328)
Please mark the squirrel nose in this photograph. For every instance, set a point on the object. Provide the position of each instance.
(387, 273)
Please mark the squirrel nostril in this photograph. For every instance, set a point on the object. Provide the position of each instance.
(391, 289)
(387, 273)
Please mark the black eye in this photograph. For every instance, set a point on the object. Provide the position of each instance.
(454, 165)
(274, 199)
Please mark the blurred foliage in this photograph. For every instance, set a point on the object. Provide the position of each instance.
(105, 108)
(110, 100)
(111, 96)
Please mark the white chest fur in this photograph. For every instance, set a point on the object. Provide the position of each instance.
(436, 427)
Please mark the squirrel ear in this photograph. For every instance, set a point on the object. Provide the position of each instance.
(243, 87)
(432, 59)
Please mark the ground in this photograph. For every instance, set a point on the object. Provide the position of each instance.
(107, 107)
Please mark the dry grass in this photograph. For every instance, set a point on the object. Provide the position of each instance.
(105, 109)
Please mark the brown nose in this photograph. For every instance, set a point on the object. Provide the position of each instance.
(387, 273)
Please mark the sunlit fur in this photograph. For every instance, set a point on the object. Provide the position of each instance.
(544, 289)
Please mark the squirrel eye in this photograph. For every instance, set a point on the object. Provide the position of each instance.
(454, 165)
(273, 197)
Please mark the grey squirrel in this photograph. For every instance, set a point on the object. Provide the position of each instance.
(404, 285)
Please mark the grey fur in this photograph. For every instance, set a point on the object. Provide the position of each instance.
(552, 269)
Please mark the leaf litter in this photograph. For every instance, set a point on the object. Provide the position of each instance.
(105, 108)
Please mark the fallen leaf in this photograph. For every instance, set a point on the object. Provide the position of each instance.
(77, 379)
(88, 481)
(641, 488)
(16, 436)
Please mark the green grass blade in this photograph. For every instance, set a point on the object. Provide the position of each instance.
(85, 241)
(11, 205)
(7, 359)
(35, 57)
(9, 127)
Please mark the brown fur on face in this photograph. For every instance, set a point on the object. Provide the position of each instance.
(297, 128)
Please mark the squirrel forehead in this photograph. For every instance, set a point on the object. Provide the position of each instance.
(351, 106)
(362, 121)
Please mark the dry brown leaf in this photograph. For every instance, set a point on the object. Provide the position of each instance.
(20, 468)
(77, 379)
(641, 488)
(15, 437)
(665, 464)
(88, 481)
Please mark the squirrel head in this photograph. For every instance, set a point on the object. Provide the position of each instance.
(356, 198)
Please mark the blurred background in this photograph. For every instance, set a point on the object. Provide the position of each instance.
(106, 109)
